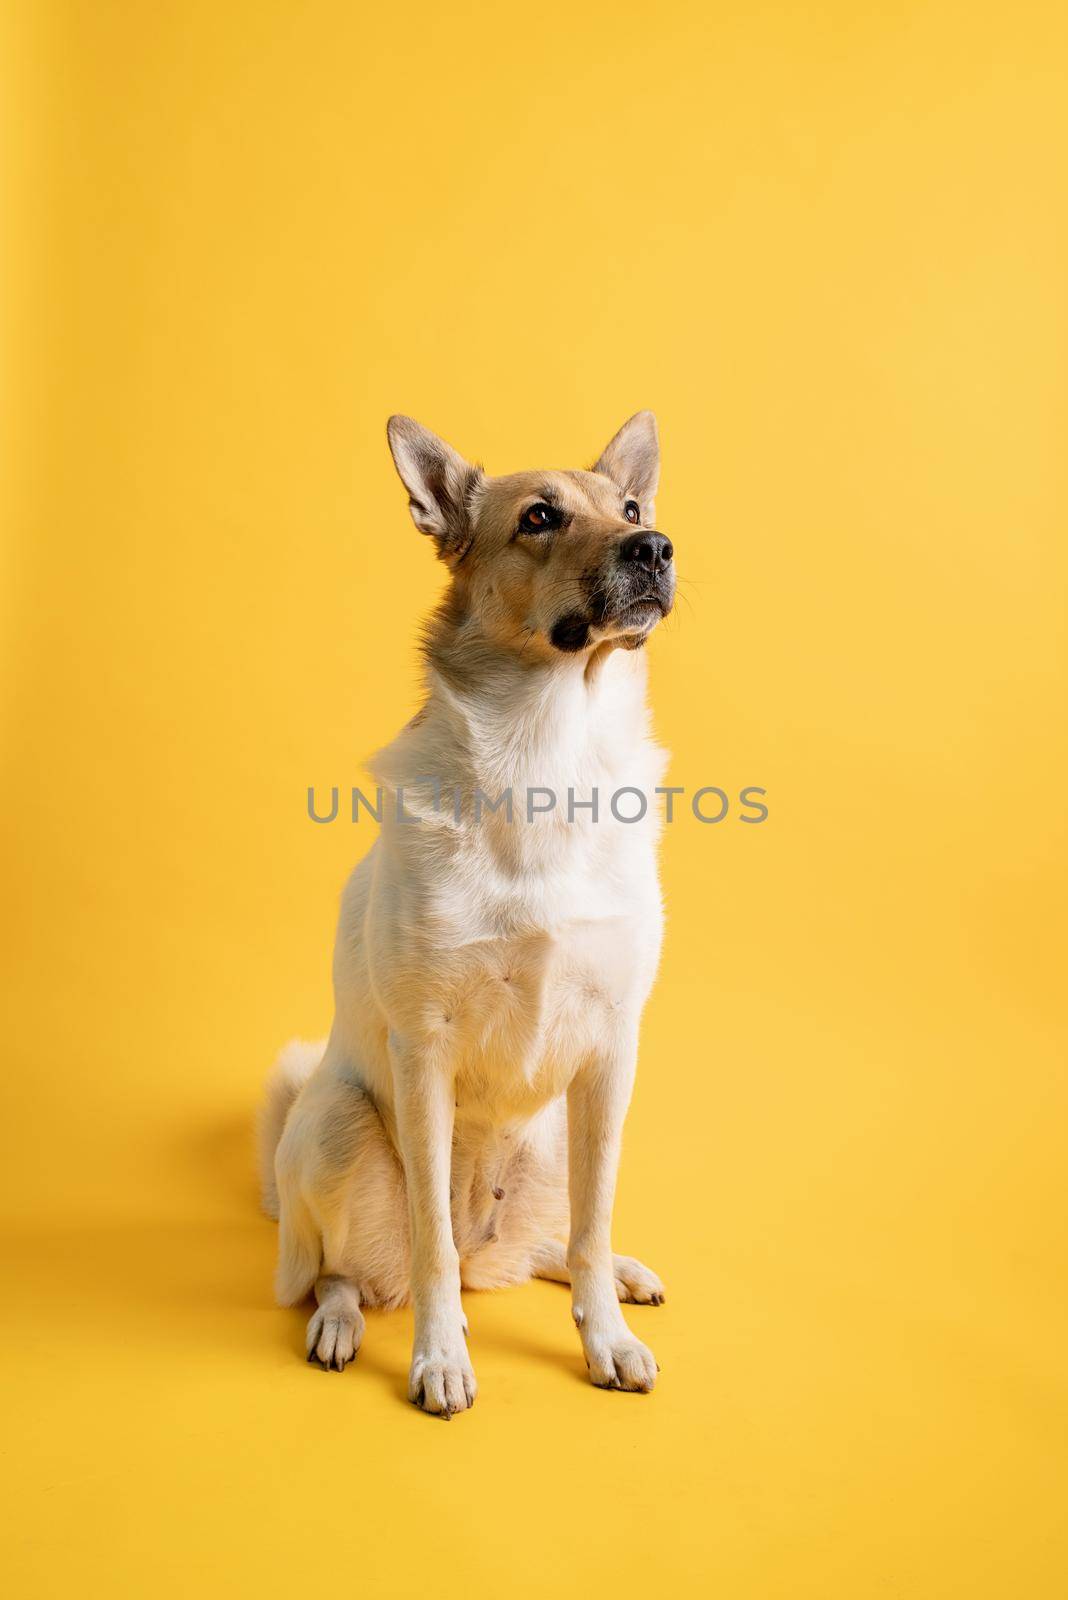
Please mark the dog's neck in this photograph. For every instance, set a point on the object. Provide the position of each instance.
(496, 717)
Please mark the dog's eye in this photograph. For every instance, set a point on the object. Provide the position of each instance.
(538, 518)
(632, 511)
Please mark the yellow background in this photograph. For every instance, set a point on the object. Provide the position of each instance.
(826, 242)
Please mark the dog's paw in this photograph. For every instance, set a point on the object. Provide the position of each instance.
(620, 1362)
(635, 1284)
(334, 1336)
(441, 1381)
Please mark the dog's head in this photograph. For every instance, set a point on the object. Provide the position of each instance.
(546, 563)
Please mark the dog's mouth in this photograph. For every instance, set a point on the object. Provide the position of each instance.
(615, 610)
(633, 616)
(642, 603)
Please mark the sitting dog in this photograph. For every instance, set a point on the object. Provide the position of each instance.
(492, 960)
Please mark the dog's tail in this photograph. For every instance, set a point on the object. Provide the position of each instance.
(285, 1080)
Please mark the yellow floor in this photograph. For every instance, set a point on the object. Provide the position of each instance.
(862, 1392)
(825, 242)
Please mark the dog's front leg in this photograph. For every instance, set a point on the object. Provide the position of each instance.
(596, 1106)
(441, 1379)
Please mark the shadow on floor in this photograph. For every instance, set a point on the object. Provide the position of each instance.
(194, 1287)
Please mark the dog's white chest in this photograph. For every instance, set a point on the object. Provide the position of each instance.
(575, 952)
(528, 1011)
(516, 945)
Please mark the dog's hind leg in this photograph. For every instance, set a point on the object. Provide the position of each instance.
(336, 1327)
(636, 1285)
(344, 1225)
(299, 1246)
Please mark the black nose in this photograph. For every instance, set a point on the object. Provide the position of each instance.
(653, 551)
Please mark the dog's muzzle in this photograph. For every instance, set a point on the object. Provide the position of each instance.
(645, 579)
(630, 596)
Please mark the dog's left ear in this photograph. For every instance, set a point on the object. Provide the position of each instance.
(439, 483)
(632, 459)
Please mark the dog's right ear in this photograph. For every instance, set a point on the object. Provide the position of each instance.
(439, 483)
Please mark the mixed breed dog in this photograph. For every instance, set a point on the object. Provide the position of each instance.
(461, 1125)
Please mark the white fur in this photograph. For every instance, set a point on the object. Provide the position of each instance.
(285, 1080)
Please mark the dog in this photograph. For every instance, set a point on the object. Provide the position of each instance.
(461, 1126)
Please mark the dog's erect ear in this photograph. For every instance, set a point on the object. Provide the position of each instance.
(632, 458)
(439, 483)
